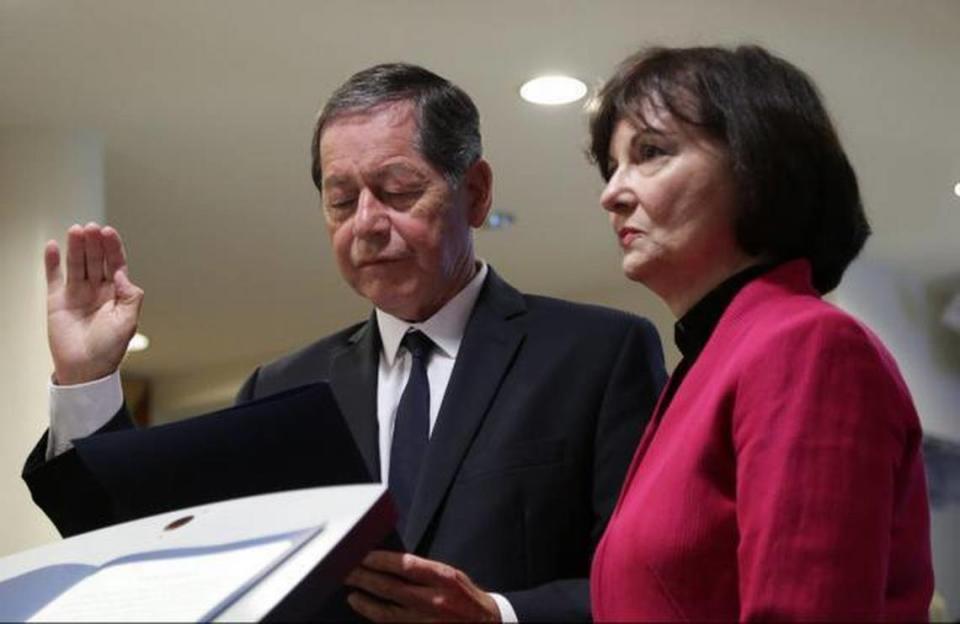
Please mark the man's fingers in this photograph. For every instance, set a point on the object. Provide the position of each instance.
(76, 266)
(378, 611)
(376, 583)
(127, 291)
(389, 587)
(419, 586)
(115, 258)
(51, 262)
(385, 561)
(434, 598)
(115, 261)
(410, 567)
(93, 252)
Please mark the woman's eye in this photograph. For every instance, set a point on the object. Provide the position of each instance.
(647, 152)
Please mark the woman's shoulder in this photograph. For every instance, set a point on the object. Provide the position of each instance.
(810, 317)
(798, 329)
(785, 302)
(802, 313)
(799, 324)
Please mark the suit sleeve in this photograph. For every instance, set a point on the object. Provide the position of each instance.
(827, 451)
(66, 491)
(635, 380)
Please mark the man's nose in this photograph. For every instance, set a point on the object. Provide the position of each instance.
(371, 218)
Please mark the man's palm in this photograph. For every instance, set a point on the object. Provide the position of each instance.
(92, 312)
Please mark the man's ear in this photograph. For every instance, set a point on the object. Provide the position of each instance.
(478, 183)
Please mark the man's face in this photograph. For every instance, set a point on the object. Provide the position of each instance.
(399, 230)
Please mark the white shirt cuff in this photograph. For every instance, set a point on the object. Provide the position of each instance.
(507, 614)
(79, 410)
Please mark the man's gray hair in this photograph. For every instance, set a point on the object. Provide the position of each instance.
(447, 119)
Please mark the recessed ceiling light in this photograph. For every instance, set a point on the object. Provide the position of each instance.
(553, 90)
(139, 342)
(956, 189)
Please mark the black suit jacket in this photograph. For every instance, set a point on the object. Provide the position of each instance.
(543, 410)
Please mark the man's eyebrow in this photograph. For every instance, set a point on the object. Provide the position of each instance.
(336, 179)
(399, 168)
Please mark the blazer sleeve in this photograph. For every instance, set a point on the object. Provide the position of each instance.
(634, 383)
(827, 446)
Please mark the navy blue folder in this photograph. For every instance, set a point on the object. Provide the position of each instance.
(294, 439)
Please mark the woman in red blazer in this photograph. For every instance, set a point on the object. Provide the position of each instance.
(781, 476)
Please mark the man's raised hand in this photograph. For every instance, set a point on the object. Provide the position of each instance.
(92, 312)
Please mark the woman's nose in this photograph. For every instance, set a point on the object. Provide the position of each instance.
(617, 196)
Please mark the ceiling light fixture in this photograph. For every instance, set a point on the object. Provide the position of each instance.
(553, 90)
(139, 342)
(956, 189)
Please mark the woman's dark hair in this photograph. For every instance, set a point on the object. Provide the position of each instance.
(798, 194)
(447, 119)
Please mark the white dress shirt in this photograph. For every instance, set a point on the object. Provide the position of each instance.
(445, 329)
(78, 411)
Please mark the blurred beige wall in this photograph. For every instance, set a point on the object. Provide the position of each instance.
(48, 178)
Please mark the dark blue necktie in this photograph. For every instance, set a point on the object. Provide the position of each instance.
(411, 431)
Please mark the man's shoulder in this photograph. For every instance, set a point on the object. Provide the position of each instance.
(305, 365)
(324, 348)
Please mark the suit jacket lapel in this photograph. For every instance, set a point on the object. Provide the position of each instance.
(353, 378)
(490, 341)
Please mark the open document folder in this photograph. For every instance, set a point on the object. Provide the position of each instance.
(276, 556)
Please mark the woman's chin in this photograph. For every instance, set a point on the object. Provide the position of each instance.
(635, 271)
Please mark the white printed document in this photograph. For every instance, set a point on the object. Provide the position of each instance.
(141, 588)
(238, 560)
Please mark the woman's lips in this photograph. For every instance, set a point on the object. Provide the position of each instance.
(628, 235)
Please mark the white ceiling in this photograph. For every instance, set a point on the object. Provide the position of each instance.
(206, 106)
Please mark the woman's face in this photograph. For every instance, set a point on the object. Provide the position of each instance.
(671, 199)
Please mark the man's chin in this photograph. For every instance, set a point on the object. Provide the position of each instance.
(389, 295)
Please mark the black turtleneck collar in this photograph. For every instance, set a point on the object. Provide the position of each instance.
(694, 328)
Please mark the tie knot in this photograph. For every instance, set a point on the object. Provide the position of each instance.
(417, 343)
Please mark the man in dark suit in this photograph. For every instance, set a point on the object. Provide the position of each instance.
(502, 422)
